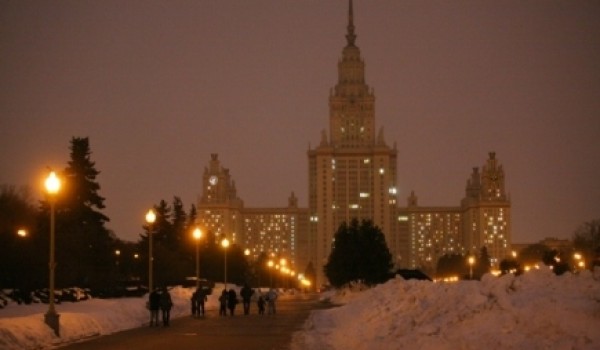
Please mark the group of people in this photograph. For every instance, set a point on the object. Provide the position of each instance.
(160, 300)
(228, 301)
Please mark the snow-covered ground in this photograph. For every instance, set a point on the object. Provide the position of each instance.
(537, 310)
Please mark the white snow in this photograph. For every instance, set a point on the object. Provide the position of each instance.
(537, 310)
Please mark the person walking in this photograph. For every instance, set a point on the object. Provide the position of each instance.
(223, 303)
(232, 301)
(166, 303)
(194, 301)
(154, 306)
(261, 305)
(246, 292)
(201, 299)
(271, 298)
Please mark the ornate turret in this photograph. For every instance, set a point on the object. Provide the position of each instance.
(351, 102)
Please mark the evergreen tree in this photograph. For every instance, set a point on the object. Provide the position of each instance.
(83, 243)
(180, 238)
(359, 253)
(449, 265)
(22, 261)
(586, 241)
(533, 254)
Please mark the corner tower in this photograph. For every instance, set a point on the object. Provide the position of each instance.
(352, 172)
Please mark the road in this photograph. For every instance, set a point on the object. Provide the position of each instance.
(264, 332)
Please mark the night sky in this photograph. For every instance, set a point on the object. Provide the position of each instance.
(158, 86)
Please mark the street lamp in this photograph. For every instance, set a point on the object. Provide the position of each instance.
(52, 184)
(270, 264)
(117, 255)
(197, 235)
(471, 262)
(225, 244)
(150, 218)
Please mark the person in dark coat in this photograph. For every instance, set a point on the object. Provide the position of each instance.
(231, 301)
(261, 305)
(223, 303)
(201, 298)
(154, 306)
(246, 292)
(166, 303)
(194, 300)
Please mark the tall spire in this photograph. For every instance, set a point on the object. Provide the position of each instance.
(351, 37)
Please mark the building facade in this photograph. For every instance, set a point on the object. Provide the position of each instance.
(352, 174)
(276, 230)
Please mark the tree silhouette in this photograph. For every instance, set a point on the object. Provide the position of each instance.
(359, 253)
(84, 245)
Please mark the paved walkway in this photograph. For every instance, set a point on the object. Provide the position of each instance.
(264, 332)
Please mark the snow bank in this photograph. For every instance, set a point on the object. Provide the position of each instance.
(537, 310)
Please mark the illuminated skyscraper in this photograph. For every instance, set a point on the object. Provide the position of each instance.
(352, 172)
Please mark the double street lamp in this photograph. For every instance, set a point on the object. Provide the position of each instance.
(52, 185)
(197, 235)
(225, 244)
(150, 219)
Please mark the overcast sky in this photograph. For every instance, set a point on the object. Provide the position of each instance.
(158, 86)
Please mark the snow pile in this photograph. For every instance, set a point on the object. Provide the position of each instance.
(537, 310)
(23, 327)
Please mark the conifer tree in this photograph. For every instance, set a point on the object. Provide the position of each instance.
(84, 244)
(359, 253)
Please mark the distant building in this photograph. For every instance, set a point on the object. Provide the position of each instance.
(278, 230)
(352, 174)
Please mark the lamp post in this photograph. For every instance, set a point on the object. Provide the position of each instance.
(197, 235)
(117, 255)
(225, 244)
(283, 270)
(471, 262)
(270, 264)
(150, 218)
(52, 187)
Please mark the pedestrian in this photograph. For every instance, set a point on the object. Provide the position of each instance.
(232, 301)
(261, 305)
(165, 305)
(194, 301)
(201, 299)
(271, 298)
(223, 303)
(246, 292)
(154, 305)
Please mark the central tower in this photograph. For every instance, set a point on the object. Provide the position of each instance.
(352, 173)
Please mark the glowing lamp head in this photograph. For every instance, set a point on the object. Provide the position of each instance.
(225, 243)
(197, 234)
(52, 183)
(150, 216)
(471, 260)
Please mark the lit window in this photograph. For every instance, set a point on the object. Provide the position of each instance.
(364, 195)
(381, 171)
